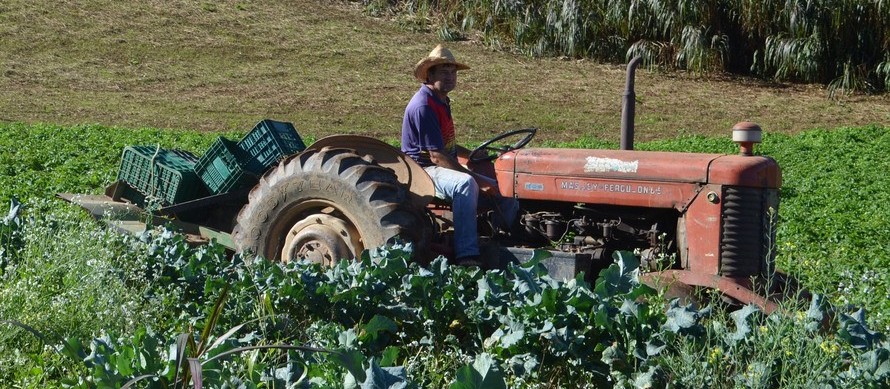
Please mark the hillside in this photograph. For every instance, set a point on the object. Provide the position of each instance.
(328, 68)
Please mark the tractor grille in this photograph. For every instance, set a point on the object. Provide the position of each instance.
(748, 231)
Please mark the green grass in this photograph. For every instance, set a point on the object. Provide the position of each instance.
(833, 230)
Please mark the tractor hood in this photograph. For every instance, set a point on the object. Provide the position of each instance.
(648, 166)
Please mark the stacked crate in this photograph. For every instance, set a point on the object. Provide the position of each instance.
(268, 142)
(167, 176)
(229, 166)
(175, 176)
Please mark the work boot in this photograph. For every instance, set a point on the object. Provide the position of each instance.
(469, 260)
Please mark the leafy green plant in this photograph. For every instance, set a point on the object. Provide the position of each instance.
(483, 373)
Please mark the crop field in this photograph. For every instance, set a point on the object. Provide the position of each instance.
(83, 306)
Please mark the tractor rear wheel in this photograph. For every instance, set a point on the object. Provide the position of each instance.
(324, 206)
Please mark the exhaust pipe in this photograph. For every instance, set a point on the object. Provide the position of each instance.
(628, 106)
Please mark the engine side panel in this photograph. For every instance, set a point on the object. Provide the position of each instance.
(619, 164)
(654, 166)
(612, 191)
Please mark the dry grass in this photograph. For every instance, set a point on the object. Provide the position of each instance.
(329, 69)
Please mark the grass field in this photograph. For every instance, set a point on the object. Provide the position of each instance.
(330, 69)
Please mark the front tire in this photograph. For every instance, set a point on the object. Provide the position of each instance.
(324, 206)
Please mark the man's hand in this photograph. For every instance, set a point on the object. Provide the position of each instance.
(447, 161)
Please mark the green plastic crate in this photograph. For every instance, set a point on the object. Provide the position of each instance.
(223, 167)
(168, 175)
(268, 142)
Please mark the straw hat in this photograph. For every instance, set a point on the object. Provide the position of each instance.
(438, 56)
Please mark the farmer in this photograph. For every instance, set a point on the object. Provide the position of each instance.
(428, 137)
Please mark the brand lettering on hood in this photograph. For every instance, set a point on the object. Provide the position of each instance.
(601, 165)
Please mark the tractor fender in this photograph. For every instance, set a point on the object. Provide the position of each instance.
(421, 190)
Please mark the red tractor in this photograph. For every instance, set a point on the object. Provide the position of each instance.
(711, 215)
(696, 220)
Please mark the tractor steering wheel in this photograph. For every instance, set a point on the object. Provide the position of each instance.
(478, 154)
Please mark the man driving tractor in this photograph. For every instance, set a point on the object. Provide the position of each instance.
(428, 137)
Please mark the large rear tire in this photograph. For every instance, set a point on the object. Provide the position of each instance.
(324, 206)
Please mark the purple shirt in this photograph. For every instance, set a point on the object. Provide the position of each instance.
(427, 126)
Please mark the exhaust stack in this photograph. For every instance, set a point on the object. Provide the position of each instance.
(628, 106)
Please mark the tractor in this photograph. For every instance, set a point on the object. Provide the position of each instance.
(696, 220)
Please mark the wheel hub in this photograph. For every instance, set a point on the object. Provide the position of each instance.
(321, 238)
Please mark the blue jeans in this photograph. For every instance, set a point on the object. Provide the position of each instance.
(462, 191)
